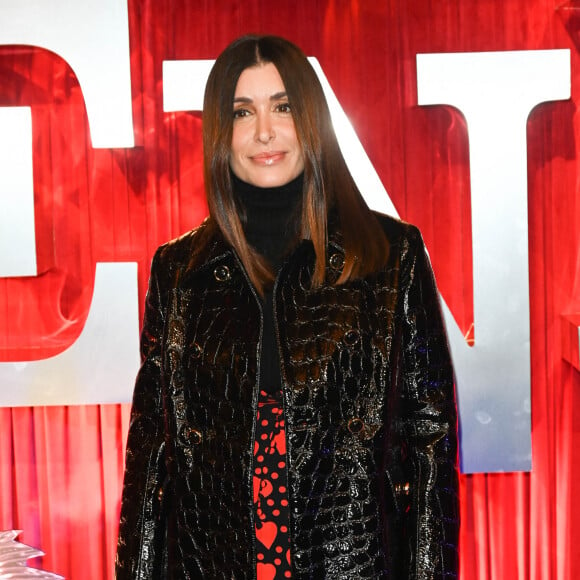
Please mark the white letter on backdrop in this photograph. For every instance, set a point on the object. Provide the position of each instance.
(17, 242)
(93, 37)
(496, 92)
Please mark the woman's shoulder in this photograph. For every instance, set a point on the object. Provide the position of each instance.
(190, 250)
(183, 244)
(397, 230)
(197, 241)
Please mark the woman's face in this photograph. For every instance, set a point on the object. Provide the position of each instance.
(265, 150)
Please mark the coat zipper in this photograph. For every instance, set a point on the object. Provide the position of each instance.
(255, 394)
(284, 381)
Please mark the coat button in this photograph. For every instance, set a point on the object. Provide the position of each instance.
(196, 351)
(336, 261)
(194, 436)
(351, 337)
(222, 273)
(355, 425)
(403, 488)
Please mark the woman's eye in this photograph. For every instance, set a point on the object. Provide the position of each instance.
(239, 113)
(284, 108)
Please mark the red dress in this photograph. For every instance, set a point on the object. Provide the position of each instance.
(270, 483)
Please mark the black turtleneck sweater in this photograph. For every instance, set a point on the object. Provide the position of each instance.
(271, 217)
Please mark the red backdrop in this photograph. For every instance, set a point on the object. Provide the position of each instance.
(61, 467)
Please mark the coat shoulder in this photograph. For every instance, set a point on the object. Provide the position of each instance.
(398, 231)
(178, 258)
(180, 248)
(194, 248)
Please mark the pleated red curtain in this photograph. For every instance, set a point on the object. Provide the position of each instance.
(61, 467)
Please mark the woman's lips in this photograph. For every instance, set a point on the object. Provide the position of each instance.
(268, 158)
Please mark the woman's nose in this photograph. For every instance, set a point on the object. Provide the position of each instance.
(264, 128)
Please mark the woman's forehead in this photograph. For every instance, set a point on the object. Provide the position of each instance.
(261, 80)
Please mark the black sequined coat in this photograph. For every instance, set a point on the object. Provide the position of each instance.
(370, 418)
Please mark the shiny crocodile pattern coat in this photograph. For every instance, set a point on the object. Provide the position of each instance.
(370, 416)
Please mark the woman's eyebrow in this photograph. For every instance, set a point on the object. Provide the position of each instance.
(274, 97)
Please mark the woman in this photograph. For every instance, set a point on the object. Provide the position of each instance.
(294, 414)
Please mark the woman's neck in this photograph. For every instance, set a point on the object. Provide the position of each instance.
(270, 215)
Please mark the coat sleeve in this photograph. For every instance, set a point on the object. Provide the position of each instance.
(140, 544)
(430, 421)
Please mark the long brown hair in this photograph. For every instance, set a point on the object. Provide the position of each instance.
(328, 184)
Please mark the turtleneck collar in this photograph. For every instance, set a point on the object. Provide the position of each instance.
(270, 215)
